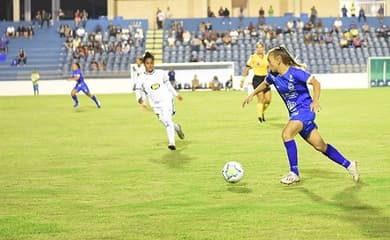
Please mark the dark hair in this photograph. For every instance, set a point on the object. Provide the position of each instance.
(286, 56)
(148, 55)
(78, 65)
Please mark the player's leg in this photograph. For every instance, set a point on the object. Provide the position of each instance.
(86, 91)
(332, 153)
(289, 132)
(260, 107)
(165, 117)
(73, 93)
(37, 86)
(267, 100)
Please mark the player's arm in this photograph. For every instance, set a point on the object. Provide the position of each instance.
(259, 89)
(244, 75)
(171, 89)
(315, 105)
(74, 77)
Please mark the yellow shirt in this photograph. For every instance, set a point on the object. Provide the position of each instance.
(258, 64)
(35, 78)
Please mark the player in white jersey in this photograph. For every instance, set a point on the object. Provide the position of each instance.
(137, 72)
(161, 94)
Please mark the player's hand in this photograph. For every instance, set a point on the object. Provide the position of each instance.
(144, 106)
(247, 100)
(179, 97)
(242, 82)
(315, 106)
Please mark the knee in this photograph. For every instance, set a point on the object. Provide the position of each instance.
(320, 147)
(287, 136)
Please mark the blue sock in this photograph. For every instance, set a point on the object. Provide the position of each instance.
(292, 154)
(76, 101)
(336, 156)
(95, 99)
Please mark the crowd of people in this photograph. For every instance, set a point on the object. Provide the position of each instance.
(114, 39)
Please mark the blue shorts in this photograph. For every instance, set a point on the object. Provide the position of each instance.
(81, 87)
(307, 118)
(35, 87)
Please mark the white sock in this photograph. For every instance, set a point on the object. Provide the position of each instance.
(171, 133)
(176, 126)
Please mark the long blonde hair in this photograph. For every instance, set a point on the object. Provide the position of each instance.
(286, 56)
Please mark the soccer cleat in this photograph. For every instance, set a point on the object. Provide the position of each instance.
(353, 170)
(76, 105)
(262, 116)
(290, 178)
(172, 147)
(180, 132)
(98, 104)
(260, 119)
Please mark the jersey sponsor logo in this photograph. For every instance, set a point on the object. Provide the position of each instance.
(155, 86)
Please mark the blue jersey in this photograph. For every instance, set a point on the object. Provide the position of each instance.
(171, 75)
(78, 73)
(292, 87)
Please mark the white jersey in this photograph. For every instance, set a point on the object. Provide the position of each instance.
(137, 71)
(157, 87)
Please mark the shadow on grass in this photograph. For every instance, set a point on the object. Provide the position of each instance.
(239, 188)
(175, 159)
(363, 216)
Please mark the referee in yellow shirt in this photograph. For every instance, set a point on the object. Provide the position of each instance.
(258, 62)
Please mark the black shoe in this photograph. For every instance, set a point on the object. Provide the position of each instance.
(260, 119)
(263, 117)
(172, 147)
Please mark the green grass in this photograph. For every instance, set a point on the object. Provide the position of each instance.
(107, 174)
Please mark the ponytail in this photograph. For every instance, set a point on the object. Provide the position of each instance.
(287, 57)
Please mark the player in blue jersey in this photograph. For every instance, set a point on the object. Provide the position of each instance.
(290, 80)
(77, 76)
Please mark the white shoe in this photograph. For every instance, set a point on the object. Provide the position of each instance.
(290, 178)
(353, 170)
(179, 131)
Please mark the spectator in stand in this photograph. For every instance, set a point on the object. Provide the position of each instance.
(215, 85)
(313, 15)
(362, 14)
(270, 11)
(125, 48)
(195, 83)
(172, 76)
(344, 11)
(210, 13)
(319, 25)
(68, 31)
(289, 26)
(61, 30)
(186, 37)
(21, 57)
(381, 13)
(194, 57)
(84, 18)
(195, 44)
(20, 31)
(168, 14)
(365, 27)
(261, 18)
(337, 25)
(226, 16)
(30, 31)
(348, 36)
(344, 42)
(357, 42)
(77, 18)
(11, 31)
(308, 26)
(208, 26)
(4, 44)
(227, 39)
(139, 35)
(241, 16)
(300, 25)
(46, 16)
(69, 44)
(353, 10)
(220, 12)
(37, 19)
(328, 38)
(80, 32)
(353, 30)
(94, 65)
(61, 14)
(160, 16)
(102, 65)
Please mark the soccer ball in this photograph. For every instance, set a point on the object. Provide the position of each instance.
(232, 172)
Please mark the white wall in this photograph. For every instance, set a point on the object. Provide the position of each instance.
(15, 88)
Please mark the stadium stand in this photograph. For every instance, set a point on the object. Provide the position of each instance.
(47, 53)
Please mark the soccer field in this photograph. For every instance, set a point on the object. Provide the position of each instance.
(91, 173)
